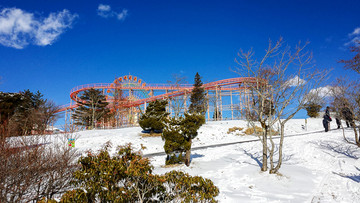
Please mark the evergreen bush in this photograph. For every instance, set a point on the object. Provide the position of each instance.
(128, 177)
(178, 134)
(154, 117)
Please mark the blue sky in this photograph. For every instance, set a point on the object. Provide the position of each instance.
(53, 46)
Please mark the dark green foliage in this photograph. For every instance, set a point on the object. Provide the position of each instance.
(154, 117)
(178, 134)
(127, 177)
(9, 102)
(313, 110)
(184, 188)
(92, 108)
(8, 105)
(117, 178)
(198, 99)
(174, 158)
(24, 112)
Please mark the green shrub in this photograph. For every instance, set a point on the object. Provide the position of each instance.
(127, 177)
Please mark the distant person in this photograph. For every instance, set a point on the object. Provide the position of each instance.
(347, 115)
(328, 118)
(326, 122)
(327, 111)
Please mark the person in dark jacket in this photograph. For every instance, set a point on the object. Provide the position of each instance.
(326, 121)
(327, 111)
(328, 118)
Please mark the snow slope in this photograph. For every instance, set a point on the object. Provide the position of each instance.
(317, 166)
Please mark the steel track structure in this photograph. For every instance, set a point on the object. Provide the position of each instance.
(223, 95)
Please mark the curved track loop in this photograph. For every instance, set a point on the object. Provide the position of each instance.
(177, 90)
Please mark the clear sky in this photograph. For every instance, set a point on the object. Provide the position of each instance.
(55, 45)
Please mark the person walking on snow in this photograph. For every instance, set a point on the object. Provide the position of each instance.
(327, 119)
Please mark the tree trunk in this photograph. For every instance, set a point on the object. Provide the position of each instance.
(357, 142)
(93, 116)
(276, 169)
(265, 149)
(187, 155)
(271, 155)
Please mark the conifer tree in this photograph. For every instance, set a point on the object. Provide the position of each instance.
(9, 102)
(92, 108)
(198, 99)
(179, 132)
(154, 117)
(25, 113)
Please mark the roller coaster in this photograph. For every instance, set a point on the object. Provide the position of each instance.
(128, 94)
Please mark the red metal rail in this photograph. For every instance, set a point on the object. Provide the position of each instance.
(227, 84)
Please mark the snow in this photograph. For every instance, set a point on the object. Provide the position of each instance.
(317, 166)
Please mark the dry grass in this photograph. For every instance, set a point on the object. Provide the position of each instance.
(233, 129)
(253, 130)
(171, 165)
(150, 134)
(258, 131)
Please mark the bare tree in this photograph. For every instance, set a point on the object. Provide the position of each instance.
(284, 77)
(354, 63)
(177, 103)
(346, 102)
(32, 168)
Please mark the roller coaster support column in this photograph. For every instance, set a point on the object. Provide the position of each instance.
(221, 106)
(66, 120)
(208, 105)
(185, 98)
(130, 116)
(240, 104)
(169, 103)
(231, 106)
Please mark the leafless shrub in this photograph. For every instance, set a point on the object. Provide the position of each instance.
(35, 167)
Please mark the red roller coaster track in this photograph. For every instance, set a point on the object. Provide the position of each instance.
(176, 90)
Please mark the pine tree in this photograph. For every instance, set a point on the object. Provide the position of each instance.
(154, 117)
(92, 108)
(179, 132)
(9, 102)
(198, 99)
(24, 113)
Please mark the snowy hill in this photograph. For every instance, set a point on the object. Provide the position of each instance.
(317, 166)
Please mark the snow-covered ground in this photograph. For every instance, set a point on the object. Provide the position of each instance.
(317, 166)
